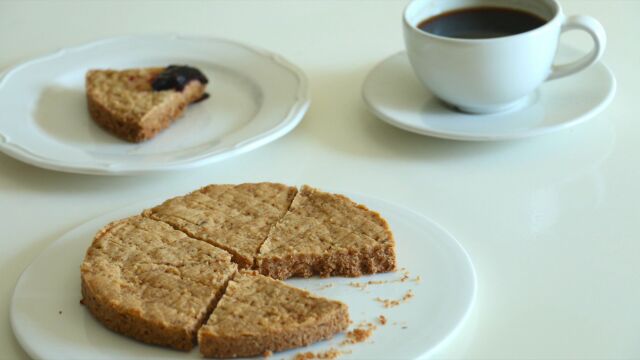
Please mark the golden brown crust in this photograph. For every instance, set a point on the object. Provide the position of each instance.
(350, 262)
(130, 109)
(327, 235)
(258, 315)
(128, 322)
(147, 281)
(229, 346)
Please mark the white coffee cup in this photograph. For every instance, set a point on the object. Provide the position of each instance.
(493, 74)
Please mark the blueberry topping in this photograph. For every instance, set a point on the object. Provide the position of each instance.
(176, 77)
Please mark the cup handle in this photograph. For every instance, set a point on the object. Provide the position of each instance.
(593, 28)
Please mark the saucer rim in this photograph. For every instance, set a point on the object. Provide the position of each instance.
(462, 136)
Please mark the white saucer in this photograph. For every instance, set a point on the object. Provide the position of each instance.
(394, 94)
(49, 322)
(256, 97)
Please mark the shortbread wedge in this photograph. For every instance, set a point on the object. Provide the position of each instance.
(327, 235)
(258, 315)
(236, 218)
(125, 103)
(143, 279)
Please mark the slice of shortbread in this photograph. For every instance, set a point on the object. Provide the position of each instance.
(143, 279)
(125, 103)
(236, 218)
(327, 234)
(258, 315)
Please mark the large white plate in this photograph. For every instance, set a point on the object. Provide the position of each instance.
(392, 92)
(49, 322)
(256, 97)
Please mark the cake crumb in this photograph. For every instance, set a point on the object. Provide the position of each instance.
(406, 276)
(304, 356)
(358, 285)
(408, 295)
(377, 282)
(388, 303)
(359, 334)
(329, 355)
(382, 320)
(326, 286)
(267, 353)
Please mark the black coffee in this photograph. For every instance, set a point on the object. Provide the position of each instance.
(481, 23)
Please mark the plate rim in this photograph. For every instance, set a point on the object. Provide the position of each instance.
(297, 111)
(451, 240)
(601, 105)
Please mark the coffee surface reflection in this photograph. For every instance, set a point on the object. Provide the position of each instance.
(481, 23)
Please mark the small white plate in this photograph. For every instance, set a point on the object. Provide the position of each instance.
(49, 321)
(256, 97)
(393, 93)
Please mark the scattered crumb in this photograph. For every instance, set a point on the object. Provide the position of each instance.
(377, 282)
(304, 356)
(359, 334)
(408, 295)
(325, 287)
(60, 312)
(388, 303)
(404, 278)
(329, 354)
(363, 330)
(358, 285)
(267, 353)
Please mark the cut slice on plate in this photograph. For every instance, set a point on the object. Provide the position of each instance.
(236, 218)
(258, 315)
(125, 103)
(327, 234)
(144, 279)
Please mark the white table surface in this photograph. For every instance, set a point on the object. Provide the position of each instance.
(552, 223)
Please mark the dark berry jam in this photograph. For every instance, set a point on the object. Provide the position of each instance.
(176, 77)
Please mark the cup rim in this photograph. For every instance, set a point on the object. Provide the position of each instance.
(557, 15)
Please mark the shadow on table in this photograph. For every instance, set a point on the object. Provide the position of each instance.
(17, 176)
(334, 120)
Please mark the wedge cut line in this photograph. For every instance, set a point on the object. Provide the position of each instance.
(179, 273)
(153, 284)
(235, 218)
(257, 315)
(327, 234)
